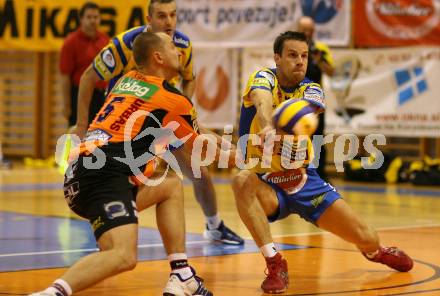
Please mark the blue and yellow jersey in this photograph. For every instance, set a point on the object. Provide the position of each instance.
(266, 79)
(116, 59)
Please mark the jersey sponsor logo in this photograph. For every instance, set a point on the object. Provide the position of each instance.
(97, 135)
(100, 67)
(261, 82)
(268, 76)
(115, 209)
(181, 41)
(140, 89)
(291, 181)
(314, 95)
(108, 58)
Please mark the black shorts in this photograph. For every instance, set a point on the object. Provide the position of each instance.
(104, 196)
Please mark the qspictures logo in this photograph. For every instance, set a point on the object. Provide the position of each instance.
(403, 19)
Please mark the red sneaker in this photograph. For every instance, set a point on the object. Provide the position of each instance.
(394, 258)
(277, 278)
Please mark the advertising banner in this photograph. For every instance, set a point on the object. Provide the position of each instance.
(42, 25)
(396, 23)
(216, 97)
(394, 92)
(246, 23)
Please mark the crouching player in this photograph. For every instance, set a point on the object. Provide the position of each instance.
(102, 194)
(269, 193)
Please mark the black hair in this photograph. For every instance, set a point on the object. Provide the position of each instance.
(150, 6)
(278, 45)
(87, 5)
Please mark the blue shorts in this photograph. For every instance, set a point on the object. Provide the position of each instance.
(309, 203)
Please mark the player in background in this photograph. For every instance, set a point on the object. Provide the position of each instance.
(320, 62)
(78, 51)
(116, 59)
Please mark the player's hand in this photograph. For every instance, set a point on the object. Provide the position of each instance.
(78, 130)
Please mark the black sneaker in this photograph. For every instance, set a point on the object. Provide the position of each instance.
(223, 234)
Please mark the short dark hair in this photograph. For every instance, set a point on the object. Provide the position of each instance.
(150, 6)
(87, 5)
(143, 46)
(289, 35)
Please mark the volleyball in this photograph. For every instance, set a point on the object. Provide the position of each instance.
(295, 117)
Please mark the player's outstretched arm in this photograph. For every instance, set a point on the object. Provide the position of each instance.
(262, 100)
(85, 94)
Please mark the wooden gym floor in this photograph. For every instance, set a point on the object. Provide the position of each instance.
(39, 237)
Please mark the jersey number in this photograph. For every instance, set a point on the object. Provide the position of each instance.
(109, 108)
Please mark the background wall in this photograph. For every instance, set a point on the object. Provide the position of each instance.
(391, 90)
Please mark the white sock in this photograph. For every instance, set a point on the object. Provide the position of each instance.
(177, 256)
(176, 261)
(59, 286)
(213, 221)
(269, 250)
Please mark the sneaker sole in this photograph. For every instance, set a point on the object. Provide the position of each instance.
(275, 291)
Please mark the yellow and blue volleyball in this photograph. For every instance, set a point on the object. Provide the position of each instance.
(296, 117)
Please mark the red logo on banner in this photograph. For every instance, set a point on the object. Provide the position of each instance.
(397, 22)
(212, 103)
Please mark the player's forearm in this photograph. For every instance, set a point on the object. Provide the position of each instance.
(264, 113)
(188, 87)
(262, 100)
(85, 94)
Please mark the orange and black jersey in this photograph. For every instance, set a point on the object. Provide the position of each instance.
(141, 114)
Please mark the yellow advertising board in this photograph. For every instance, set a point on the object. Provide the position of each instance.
(41, 25)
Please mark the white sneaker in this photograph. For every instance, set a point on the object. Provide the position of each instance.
(45, 294)
(176, 286)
